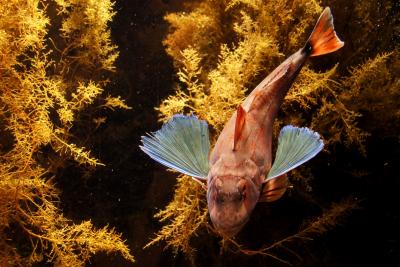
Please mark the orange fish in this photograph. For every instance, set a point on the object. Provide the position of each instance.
(238, 171)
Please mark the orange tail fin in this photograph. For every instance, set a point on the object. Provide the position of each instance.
(323, 39)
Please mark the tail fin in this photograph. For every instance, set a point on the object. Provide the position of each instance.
(323, 39)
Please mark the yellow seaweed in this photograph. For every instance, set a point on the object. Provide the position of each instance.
(45, 72)
(187, 212)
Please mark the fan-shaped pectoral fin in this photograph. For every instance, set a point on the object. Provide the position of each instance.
(181, 144)
(295, 147)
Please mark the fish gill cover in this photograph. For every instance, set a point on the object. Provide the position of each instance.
(55, 60)
(222, 49)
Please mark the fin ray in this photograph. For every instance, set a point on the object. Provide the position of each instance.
(323, 39)
(295, 147)
(181, 144)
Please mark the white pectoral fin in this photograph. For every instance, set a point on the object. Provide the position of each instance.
(181, 144)
(295, 146)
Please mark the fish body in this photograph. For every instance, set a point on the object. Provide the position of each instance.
(242, 154)
(239, 172)
(259, 110)
(248, 163)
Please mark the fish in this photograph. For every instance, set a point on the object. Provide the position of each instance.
(238, 172)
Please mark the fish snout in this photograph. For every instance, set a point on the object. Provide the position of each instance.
(230, 202)
(228, 218)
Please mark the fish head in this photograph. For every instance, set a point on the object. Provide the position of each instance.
(231, 199)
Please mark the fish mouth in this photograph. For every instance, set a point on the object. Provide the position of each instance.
(229, 230)
(232, 230)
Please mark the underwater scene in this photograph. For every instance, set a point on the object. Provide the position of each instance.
(199, 133)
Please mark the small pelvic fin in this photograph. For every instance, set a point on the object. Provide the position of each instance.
(323, 39)
(274, 189)
(240, 118)
(295, 146)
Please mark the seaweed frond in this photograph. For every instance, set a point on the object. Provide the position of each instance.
(112, 103)
(375, 85)
(185, 213)
(85, 27)
(311, 230)
(58, 235)
(199, 28)
(42, 94)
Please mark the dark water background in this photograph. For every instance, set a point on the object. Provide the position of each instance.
(131, 188)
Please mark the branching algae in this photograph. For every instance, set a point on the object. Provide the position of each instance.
(218, 64)
(48, 75)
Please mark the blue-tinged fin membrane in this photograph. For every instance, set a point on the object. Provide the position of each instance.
(295, 146)
(181, 144)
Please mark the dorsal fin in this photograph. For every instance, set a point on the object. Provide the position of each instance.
(240, 118)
